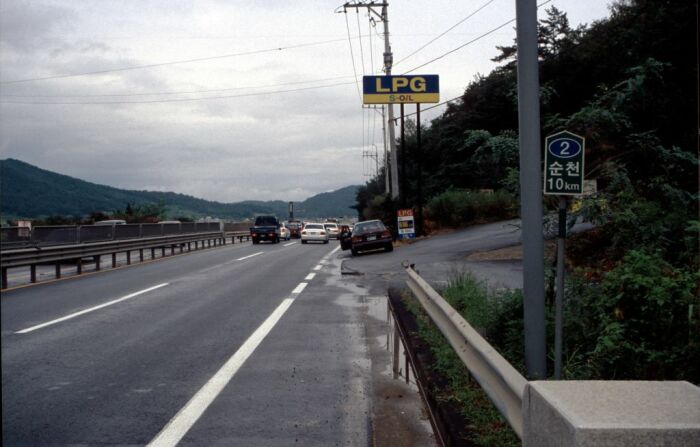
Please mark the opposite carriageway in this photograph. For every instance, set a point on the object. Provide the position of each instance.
(75, 246)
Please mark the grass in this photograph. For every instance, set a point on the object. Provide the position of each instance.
(482, 308)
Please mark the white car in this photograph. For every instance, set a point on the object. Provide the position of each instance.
(284, 232)
(332, 229)
(314, 232)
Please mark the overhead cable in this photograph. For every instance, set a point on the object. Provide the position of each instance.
(446, 31)
(156, 101)
(468, 43)
(185, 61)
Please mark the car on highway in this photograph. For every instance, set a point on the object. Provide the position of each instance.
(294, 228)
(345, 237)
(284, 232)
(265, 228)
(314, 232)
(332, 229)
(370, 235)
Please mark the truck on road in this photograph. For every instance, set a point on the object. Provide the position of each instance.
(265, 228)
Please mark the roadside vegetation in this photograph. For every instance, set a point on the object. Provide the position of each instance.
(629, 85)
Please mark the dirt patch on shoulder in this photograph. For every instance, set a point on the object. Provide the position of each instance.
(514, 253)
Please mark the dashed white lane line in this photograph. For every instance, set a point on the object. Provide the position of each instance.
(250, 256)
(82, 312)
(289, 243)
(173, 432)
(309, 277)
(318, 267)
(179, 425)
(300, 288)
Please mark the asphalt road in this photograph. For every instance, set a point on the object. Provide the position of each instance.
(222, 347)
(242, 344)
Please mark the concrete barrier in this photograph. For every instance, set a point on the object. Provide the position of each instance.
(611, 413)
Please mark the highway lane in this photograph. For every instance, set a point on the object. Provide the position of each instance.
(120, 373)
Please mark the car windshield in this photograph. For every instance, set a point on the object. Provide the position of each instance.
(368, 227)
(313, 227)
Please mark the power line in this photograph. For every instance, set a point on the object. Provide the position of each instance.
(157, 101)
(184, 61)
(446, 31)
(469, 43)
(175, 92)
(352, 56)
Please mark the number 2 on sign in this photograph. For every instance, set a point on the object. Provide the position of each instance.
(564, 148)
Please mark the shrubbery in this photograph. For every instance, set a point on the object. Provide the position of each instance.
(457, 208)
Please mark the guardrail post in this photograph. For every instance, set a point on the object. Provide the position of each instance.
(395, 362)
(162, 251)
(97, 262)
(4, 278)
(58, 269)
(79, 266)
(153, 253)
(114, 260)
(32, 273)
(128, 257)
(140, 254)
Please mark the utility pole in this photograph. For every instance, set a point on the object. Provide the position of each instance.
(388, 62)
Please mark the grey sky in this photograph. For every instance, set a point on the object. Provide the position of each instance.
(250, 144)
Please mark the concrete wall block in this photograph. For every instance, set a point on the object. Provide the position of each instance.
(611, 413)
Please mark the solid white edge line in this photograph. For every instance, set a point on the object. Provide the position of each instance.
(179, 425)
(250, 256)
(76, 314)
(300, 288)
(309, 277)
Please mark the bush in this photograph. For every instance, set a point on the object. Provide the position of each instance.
(457, 208)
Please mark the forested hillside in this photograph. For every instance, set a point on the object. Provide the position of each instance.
(31, 192)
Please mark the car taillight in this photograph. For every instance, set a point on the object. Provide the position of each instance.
(303, 232)
(386, 234)
(323, 233)
(357, 238)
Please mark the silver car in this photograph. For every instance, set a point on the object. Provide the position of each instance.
(332, 230)
(314, 232)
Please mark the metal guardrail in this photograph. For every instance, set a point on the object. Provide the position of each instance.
(74, 234)
(56, 254)
(502, 383)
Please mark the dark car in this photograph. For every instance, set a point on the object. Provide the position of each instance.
(370, 235)
(266, 228)
(294, 228)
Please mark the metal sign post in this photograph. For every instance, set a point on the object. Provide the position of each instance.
(564, 162)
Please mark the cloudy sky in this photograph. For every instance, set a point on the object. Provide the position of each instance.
(225, 100)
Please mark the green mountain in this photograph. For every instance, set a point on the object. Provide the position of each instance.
(30, 192)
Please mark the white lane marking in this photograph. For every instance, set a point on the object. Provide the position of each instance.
(179, 425)
(289, 243)
(73, 315)
(309, 277)
(300, 288)
(318, 267)
(250, 256)
(331, 253)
